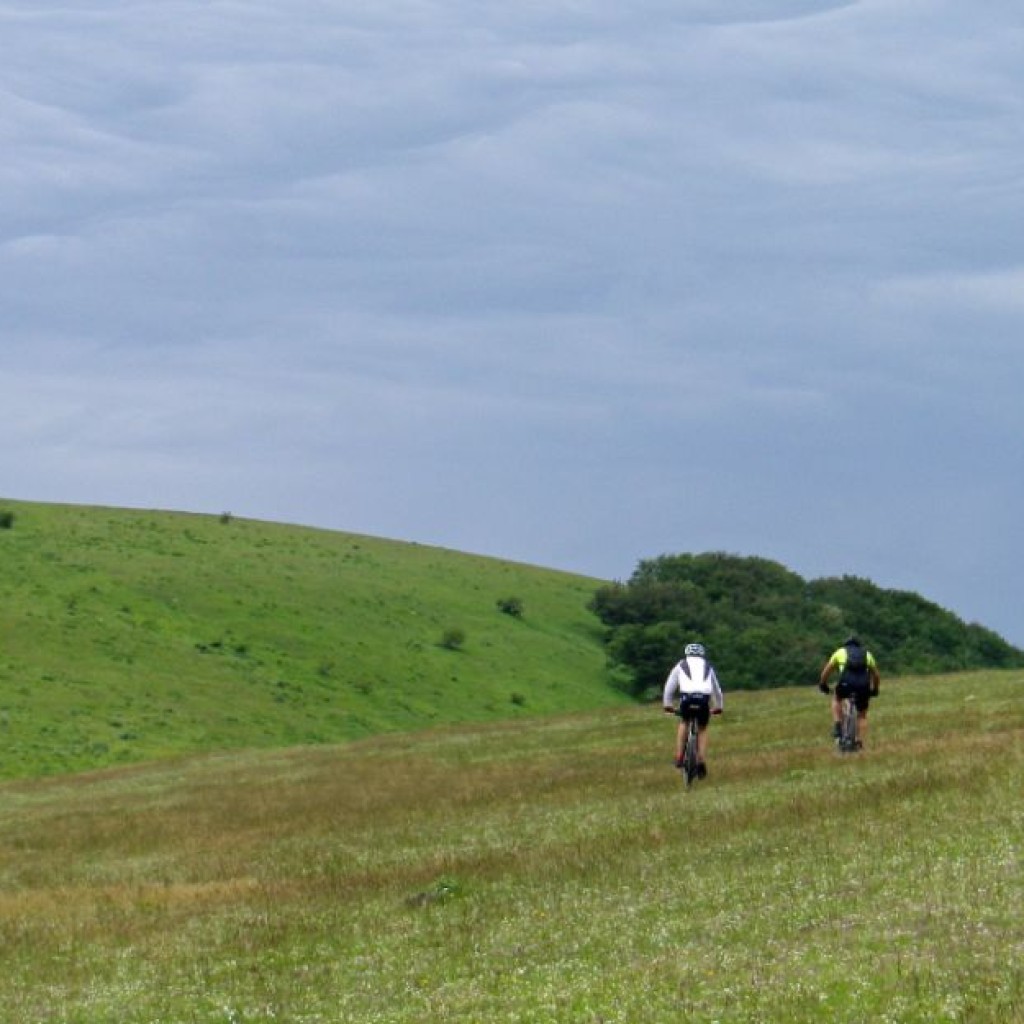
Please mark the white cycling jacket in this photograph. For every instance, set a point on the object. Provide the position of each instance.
(699, 677)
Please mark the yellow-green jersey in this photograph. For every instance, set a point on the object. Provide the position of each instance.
(841, 656)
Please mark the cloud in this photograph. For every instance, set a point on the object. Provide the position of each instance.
(998, 292)
(433, 270)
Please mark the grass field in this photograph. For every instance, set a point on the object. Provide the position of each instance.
(132, 635)
(544, 870)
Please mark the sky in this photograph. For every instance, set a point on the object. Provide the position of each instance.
(575, 283)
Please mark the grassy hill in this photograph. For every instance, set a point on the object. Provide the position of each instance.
(547, 870)
(131, 635)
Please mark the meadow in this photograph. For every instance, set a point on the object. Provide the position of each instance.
(545, 869)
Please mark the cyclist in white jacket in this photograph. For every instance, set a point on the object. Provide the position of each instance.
(694, 684)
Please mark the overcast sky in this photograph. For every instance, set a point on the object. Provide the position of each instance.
(572, 282)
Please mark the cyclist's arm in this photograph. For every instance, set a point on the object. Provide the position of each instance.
(671, 689)
(876, 679)
(717, 697)
(827, 671)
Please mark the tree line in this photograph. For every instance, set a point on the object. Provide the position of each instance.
(765, 626)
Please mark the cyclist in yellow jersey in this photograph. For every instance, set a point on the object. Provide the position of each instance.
(858, 678)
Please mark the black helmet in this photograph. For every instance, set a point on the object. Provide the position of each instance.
(852, 641)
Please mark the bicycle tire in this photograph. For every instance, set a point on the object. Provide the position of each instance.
(848, 727)
(690, 755)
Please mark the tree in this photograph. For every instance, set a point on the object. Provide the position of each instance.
(765, 626)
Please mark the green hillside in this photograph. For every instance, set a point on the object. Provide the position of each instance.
(548, 870)
(130, 635)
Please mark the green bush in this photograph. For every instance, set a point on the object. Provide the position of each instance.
(453, 638)
(511, 606)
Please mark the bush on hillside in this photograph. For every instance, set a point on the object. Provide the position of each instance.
(511, 606)
(452, 639)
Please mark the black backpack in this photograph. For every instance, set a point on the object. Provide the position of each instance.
(855, 671)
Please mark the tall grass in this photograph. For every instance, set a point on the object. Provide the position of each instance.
(545, 870)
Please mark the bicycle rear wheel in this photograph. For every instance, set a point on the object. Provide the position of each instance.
(690, 755)
(848, 727)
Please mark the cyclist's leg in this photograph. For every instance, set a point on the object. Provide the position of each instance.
(837, 709)
(702, 742)
(862, 700)
(680, 739)
(703, 717)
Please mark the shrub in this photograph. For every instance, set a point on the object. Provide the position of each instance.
(6, 520)
(453, 638)
(511, 606)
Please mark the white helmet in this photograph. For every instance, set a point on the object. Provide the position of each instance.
(694, 651)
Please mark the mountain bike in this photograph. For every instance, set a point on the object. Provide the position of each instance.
(688, 768)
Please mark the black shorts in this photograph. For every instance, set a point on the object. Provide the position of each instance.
(695, 705)
(861, 694)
